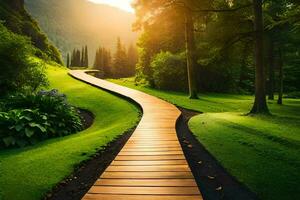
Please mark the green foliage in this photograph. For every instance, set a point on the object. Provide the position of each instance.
(169, 71)
(19, 72)
(17, 20)
(165, 33)
(47, 163)
(224, 41)
(103, 62)
(120, 63)
(79, 58)
(32, 118)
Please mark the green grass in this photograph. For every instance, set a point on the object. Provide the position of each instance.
(263, 152)
(28, 173)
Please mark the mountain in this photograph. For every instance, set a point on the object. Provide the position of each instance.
(16, 19)
(73, 23)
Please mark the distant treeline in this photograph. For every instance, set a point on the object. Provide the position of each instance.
(78, 58)
(121, 64)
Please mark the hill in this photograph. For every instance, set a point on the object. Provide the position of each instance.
(72, 24)
(16, 19)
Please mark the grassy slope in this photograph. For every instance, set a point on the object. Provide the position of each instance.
(18, 20)
(27, 174)
(262, 152)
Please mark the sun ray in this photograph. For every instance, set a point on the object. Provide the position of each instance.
(122, 4)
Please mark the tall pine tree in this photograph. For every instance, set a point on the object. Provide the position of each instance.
(86, 57)
(120, 64)
(68, 60)
(103, 62)
(132, 57)
(82, 59)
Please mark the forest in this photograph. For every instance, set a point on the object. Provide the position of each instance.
(150, 99)
(219, 46)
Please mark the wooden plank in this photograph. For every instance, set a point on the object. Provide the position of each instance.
(145, 175)
(147, 182)
(140, 197)
(161, 157)
(145, 190)
(151, 149)
(160, 168)
(153, 138)
(151, 142)
(147, 163)
(149, 153)
(152, 146)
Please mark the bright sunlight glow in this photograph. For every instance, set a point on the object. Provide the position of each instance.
(122, 4)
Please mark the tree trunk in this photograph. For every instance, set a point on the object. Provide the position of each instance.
(271, 70)
(260, 103)
(190, 55)
(280, 65)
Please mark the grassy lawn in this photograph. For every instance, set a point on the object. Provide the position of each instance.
(28, 173)
(262, 151)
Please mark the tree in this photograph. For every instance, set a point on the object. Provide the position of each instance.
(271, 69)
(82, 58)
(72, 64)
(280, 92)
(86, 57)
(132, 57)
(219, 64)
(190, 54)
(103, 62)
(163, 34)
(78, 58)
(186, 8)
(107, 63)
(282, 29)
(150, 11)
(68, 60)
(120, 65)
(260, 103)
(19, 72)
(98, 63)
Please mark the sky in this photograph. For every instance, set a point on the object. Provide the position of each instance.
(122, 4)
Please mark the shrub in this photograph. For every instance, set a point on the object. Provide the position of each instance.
(169, 71)
(18, 71)
(32, 118)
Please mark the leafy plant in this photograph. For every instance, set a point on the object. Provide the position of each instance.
(28, 119)
(19, 72)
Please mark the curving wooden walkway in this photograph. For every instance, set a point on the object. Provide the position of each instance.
(151, 165)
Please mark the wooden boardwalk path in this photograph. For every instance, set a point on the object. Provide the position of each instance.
(151, 165)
